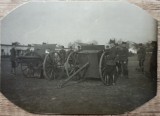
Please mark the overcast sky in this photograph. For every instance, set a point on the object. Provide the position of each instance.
(63, 22)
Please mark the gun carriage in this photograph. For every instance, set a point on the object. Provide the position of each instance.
(88, 62)
(35, 63)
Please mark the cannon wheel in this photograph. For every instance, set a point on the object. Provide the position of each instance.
(51, 65)
(28, 67)
(102, 68)
(71, 63)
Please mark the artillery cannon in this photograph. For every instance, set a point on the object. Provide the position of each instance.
(38, 62)
(89, 62)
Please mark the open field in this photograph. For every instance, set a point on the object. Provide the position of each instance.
(88, 97)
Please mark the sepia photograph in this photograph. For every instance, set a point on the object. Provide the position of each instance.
(78, 57)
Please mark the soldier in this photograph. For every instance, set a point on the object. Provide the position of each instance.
(118, 64)
(111, 64)
(123, 59)
(62, 53)
(153, 61)
(141, 56)
(13, 59)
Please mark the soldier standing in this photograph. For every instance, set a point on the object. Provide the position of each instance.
(111, 64)
(13, 59)
(141, 56)
(62, 53)
(123, 59)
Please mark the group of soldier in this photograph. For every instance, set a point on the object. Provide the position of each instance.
(116, 62)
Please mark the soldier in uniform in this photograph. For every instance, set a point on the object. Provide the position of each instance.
(123, 59)
(141, 56)
(62, 53)
(13, 59)
(110, 65)
(118, 64)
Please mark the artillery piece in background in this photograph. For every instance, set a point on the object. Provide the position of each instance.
(35, 63)
(88, 62)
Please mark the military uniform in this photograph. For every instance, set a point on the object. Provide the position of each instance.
(141, 57)
(13, 57)
(123, 60)
(110, 65)
(13, 60)
(62, 53)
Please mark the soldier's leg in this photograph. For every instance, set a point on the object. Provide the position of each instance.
(120, 68)
(14, 67)
(114, 75)
(125, 69)
(142, 65)
(107, 78)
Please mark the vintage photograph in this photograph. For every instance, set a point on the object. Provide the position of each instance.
(78, 57)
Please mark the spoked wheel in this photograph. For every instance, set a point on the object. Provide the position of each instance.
(102, 68)
(52, 65)
(31, 67)
(72, 64)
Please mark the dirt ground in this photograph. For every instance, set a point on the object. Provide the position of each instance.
(88, 97)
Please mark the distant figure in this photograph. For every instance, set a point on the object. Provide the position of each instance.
(123, 59)
(110, 65)
(62, 53)
(141, 56)
(13, 59)
(153, 61)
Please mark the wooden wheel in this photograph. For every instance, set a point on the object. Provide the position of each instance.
(71, 64)
(31, 65)
(103, 76)
(52, 65)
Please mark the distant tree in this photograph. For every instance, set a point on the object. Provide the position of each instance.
(94, 42)
(112, 41)
(16, 43)
(71, 44)
(44, 43)
(78, 41)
